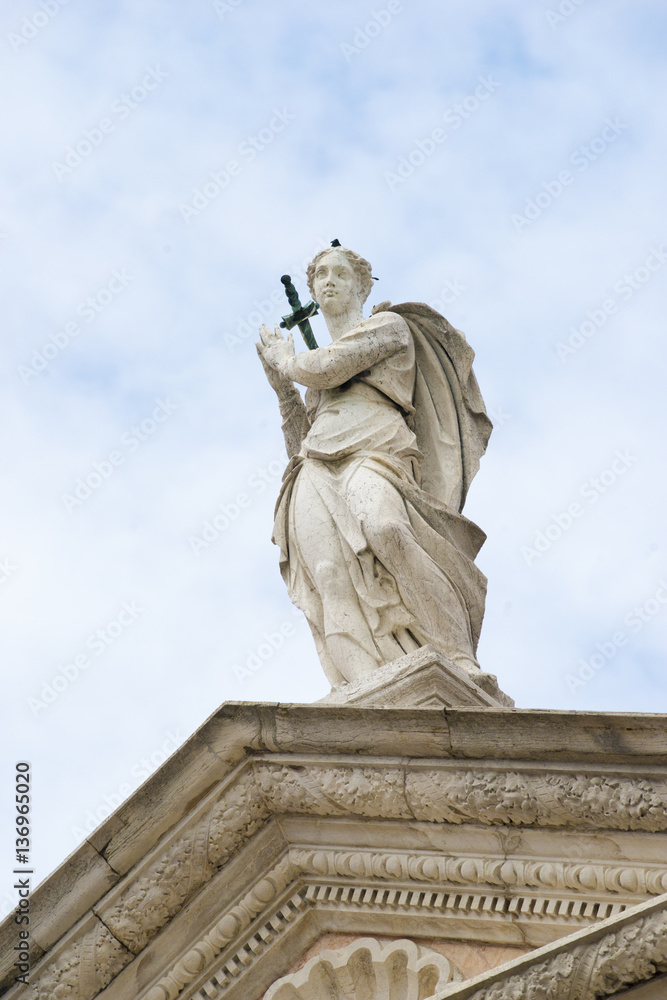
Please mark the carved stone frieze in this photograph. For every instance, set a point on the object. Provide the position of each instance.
(148, 903)
(445, 795)
(335, 791)
(494, 797)
(84, 969)
(620, 959)
(240, 959)
(136, 911)
(369, 970)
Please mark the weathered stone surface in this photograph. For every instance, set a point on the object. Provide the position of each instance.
(162, 800)
(614, 738)
(374, 548)
(492, 825)
(656, 989)
(196, 920)
(159, 889)
(471, 958)
(78, 968)
(56, 904)
(423, 679)
(368, 968)
(600, 962)
(69, 893)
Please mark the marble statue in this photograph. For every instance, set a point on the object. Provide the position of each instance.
(373, 547)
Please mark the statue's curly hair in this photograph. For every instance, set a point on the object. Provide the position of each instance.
(361, 268)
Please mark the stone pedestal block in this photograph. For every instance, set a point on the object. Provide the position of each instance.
(423, 679)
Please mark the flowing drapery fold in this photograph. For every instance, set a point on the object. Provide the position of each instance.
(450, 421)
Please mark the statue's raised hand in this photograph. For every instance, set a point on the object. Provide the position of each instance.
(277, 381)
(275, 349)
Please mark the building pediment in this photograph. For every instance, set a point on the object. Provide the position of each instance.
(275, 825)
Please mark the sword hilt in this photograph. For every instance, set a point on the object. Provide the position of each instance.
(291, 292)
(300, 315)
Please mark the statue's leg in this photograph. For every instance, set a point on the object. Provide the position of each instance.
(332, 673)
(316, 542)
(430, 597)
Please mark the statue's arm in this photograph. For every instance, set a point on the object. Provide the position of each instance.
(371, 341)
(295, 424)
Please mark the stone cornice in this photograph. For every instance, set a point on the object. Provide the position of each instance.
(602, 961)
(349, 880)
(135, 912)
(157, 890)
(250, 762)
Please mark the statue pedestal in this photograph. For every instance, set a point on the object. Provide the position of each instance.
(423, 679)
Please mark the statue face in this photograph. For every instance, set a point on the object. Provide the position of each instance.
(335, 284)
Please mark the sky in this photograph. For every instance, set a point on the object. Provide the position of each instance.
(164, 164)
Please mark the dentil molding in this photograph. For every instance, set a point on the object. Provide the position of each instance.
(136, 910)
(302, 876)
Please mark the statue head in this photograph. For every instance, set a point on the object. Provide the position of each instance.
(336, 276)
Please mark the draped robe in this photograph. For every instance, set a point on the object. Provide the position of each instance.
(373, 547)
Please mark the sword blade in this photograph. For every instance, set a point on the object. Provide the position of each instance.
(307, 334)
